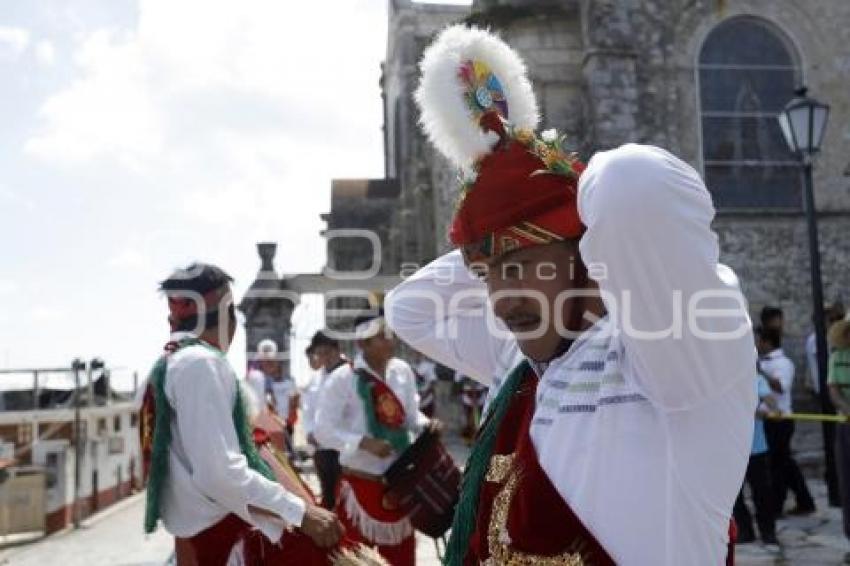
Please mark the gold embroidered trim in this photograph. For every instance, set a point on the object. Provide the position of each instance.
(498, 538)
(534, 232)
(500, 466)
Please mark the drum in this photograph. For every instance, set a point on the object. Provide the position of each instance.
(425, 483)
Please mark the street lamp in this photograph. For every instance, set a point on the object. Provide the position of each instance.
(77, 366)
(803, 123)
(94, 365)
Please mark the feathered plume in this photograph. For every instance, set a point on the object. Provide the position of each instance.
(468, 73)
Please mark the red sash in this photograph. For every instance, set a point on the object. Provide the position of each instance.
(519, 500)
(388, 409)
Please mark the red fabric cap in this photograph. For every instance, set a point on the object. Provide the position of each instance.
(514, 185)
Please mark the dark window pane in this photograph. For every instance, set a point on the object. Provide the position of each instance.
(744, 41)
(746, 77)
(743, 138)
(746, 90)
(754, 187)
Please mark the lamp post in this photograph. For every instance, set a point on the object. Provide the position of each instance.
(803, 123)
(94, 365)
(77, 366)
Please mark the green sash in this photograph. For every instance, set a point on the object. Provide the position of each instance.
(476, 468)
(162, 436)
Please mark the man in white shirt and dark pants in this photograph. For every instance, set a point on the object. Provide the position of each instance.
(778, 370)
(207, 483)
(325, 351)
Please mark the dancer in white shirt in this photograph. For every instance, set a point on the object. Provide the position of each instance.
(623, 435)
(207, 482)
(369, 412)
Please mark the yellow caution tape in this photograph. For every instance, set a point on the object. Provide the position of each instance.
(808, 417)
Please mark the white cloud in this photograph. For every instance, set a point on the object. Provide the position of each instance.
(44, 53)
(192, 134)
(45, 313)
(8, 287)
(107, 112)
(130, 259)
(239, 67)
(13, 41)
(8, 196)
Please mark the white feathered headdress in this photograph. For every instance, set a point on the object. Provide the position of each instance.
(478, 109)
(469, 74)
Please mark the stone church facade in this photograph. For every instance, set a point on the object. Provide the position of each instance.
(702, 78)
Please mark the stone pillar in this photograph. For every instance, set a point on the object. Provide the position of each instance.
(610, 73)
(268, 306)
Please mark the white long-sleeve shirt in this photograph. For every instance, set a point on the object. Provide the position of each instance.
(311, 394)
(645, 437)
(309, 400)
(341, 419)
(778, 366)
(812, 362)
(208, 477)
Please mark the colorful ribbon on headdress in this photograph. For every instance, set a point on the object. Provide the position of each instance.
(525, 188)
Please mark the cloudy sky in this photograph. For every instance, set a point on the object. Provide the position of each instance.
(139, 135)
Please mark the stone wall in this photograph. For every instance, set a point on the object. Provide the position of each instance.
(417, 227)
(771, 257)
(611, 71)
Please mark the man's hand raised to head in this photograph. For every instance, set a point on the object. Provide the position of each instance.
(322, 526)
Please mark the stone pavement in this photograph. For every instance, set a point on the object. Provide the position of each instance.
(816, 540)
(113, 537)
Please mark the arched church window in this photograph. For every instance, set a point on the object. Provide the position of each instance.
(747, 73)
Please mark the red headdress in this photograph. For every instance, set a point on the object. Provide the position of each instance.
(479, 110)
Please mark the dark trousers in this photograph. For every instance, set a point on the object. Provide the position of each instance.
(758, 476)
(842, 455)
(784, 471)
(327, 468)
(833, 494)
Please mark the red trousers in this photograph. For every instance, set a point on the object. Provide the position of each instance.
(213, 546)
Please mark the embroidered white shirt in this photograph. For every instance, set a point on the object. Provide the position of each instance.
(208, 477)
(341, 420)
(645, 433)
